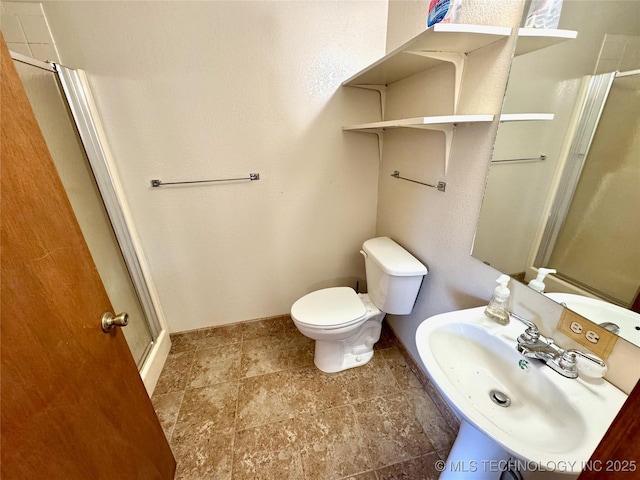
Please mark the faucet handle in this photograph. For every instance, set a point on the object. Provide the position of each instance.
(531, 335)
(594, 367)
(528, 323)
(569, 363)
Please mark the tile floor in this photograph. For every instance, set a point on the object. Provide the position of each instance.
(246, 402)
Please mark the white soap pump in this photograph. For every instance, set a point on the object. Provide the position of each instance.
(538, 283)
(498, 307)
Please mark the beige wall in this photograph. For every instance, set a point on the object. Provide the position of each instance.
(199, 90)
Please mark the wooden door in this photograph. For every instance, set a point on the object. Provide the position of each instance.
(618, 455)
(73, 403)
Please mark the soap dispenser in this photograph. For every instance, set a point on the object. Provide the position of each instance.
(538, 283)
(498, 307)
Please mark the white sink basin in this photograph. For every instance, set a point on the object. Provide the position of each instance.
(552, 420)
(599, 311)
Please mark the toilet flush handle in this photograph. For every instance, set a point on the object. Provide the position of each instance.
(364, 254)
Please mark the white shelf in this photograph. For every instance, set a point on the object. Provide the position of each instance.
(525, 117)
(441, 38)
(531, 39)
(445, 124)
(443, 43)
(431, 123)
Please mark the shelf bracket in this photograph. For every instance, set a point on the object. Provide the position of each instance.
(380, 133)
(448, 139)
(381, 89)
(376, 131)
(457, 59)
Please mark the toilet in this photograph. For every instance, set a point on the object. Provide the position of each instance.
(345, 324)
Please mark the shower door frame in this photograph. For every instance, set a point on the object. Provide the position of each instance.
(74, 88)
(591, 111)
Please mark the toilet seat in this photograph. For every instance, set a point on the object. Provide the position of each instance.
(329, 308)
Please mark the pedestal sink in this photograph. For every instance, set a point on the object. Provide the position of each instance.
(511, 407)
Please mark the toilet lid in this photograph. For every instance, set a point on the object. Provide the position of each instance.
(329, 308)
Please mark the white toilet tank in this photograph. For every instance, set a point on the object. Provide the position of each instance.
(394, 275)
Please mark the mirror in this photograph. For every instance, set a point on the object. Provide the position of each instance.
(563, 189)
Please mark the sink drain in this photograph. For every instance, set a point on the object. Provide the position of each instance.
(499, 398)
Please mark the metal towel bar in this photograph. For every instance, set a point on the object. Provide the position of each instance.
(441, 186)
(541, 158)
(160, 183)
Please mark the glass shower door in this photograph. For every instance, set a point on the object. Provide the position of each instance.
(68, 153)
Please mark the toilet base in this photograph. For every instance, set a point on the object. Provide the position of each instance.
(355, 351)
(332, 363)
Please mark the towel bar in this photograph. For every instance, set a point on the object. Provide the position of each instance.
(441, 186)
(160, 183)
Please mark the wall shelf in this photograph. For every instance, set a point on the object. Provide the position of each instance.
(525, 117)
(532, 39)
(442, 37)
(445, 124)
(433, 123)
(442, 43)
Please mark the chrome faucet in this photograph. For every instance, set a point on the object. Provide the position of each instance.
(533, 344)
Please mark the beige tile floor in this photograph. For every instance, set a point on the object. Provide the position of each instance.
(246, 402)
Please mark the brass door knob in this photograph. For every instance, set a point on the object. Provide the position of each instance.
(109, 320)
